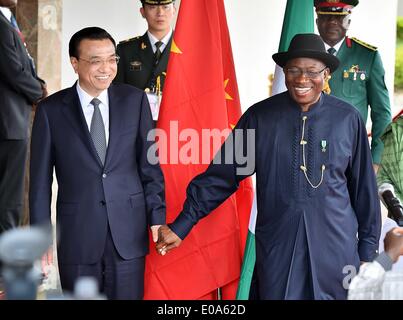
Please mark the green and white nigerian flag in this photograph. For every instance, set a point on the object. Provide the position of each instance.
(298, 18)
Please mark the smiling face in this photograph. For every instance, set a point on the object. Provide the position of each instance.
(94, 77)
(305, 89)
(332, 28)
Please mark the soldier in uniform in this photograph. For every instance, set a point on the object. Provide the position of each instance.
(390, 175)
(144, 59)
(390, 180)
(360, 78)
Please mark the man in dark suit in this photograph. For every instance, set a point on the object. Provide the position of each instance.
(20, 88)
(144, 59)
(96, 136)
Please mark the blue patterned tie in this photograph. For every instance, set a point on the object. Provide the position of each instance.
(14, 23)
(97, 131)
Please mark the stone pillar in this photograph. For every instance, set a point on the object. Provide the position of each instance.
(41, 22)
(27, 18)
(50, 43)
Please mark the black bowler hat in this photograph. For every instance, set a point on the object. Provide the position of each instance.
(307, 45)
(335, 7)
(156, 2)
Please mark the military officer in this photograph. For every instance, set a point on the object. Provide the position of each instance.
(144, 59)
(360, 77)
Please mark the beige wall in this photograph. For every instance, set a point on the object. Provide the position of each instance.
(400, 8)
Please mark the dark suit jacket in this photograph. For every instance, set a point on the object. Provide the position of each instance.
(136, 66)
(128, 193)
(19, 87)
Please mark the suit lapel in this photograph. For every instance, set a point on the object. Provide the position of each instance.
(342, 52)
(4, 18)
(73, 111)
(115, 119)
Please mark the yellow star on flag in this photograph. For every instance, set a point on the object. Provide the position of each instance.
(227, 96)
(175, 48)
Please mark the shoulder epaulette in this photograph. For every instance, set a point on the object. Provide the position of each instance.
(364, 44)
(128, 40)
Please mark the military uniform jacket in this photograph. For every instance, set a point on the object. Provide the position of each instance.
(391, 170)
(359, 80)
(136, 66)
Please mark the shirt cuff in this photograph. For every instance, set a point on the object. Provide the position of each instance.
(385, 261)
(157, 219)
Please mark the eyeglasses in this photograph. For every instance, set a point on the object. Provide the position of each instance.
(99, 62)
(297, 72)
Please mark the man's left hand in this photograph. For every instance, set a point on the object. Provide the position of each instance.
(167, 240)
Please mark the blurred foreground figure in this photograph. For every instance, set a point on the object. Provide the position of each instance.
(375, 281)
(19, 249)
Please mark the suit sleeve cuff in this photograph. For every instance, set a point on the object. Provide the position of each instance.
(181, 226)
(367, 252)
(158, 220)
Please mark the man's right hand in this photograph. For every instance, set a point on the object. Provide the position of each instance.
(44, 88)
(167, 240)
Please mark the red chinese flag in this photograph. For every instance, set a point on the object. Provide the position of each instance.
(200, 94)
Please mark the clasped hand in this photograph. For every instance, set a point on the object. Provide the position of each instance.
(167, 240)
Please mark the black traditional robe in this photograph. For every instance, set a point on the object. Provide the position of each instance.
(308, 240)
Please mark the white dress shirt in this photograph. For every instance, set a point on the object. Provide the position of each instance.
(88, 108)
(6, 12)
(164, 40)
(336, 47)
